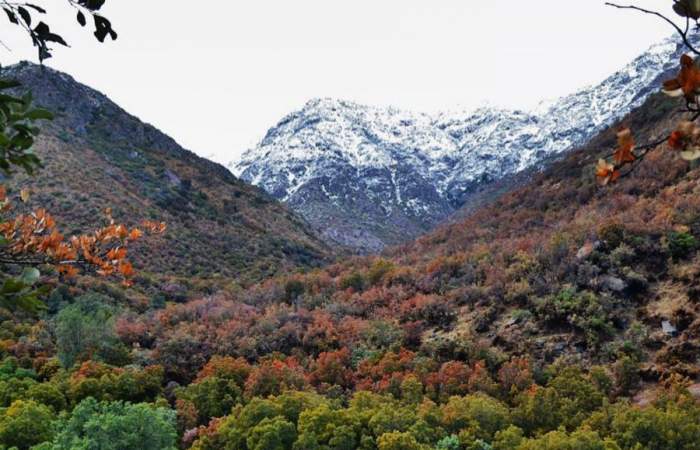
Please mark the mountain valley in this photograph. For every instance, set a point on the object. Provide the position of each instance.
(366, 278)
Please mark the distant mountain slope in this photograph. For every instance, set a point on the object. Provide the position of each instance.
(557, 269)
(369, 176)
(97, 155)
(511, 266)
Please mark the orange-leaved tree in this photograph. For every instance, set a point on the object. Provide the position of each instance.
(685, 140)
(33, 239)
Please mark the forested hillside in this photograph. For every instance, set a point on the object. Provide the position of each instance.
(563, 316)
(96, 155)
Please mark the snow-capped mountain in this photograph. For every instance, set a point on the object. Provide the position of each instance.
(368, 176)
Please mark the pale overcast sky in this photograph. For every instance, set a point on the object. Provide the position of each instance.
(215, 74)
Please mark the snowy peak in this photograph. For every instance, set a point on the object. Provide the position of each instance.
(370, 176)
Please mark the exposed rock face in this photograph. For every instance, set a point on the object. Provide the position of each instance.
(368, 177)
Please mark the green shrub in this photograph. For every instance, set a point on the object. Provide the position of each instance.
(355, 281)
(293, 289)
(587, 312)
(612, 234)
(626, 372)
(681, 244)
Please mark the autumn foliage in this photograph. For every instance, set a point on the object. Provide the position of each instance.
(685, 138)
(33, 239)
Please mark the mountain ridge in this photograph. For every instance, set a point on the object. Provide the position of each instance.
(369, 176)
(218, 225)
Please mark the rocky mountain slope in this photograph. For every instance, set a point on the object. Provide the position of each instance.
(96, 155)
(562, 267)
(368, 176)
(558, 268)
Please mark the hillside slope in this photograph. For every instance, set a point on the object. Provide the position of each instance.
(558, 268)
(370, 176)
(563, 267)
(561, 315)
(96, 155)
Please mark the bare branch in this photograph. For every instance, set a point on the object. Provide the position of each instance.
(684, 35)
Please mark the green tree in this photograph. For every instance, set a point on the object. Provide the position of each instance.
(354, 281)
(482, 415)
(48, 394)
(578, 440)
(626, 373)
(508, 439)
(13, 389)
(676, 426)
(448, 443)
(84, 330)
(117, 426)
(325, 426)
(293, 290)
(379, 270)
(390, 417)
(234, 430)
(568, 399)
(412, 390)
(25, 423)
(294, 403)
(396, 440)
(212, 397)
(272, 434)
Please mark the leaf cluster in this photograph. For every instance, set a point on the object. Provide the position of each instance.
(28, 17)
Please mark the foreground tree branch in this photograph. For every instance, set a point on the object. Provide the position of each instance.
(685, 139)
(681, 32)
(27, 16)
